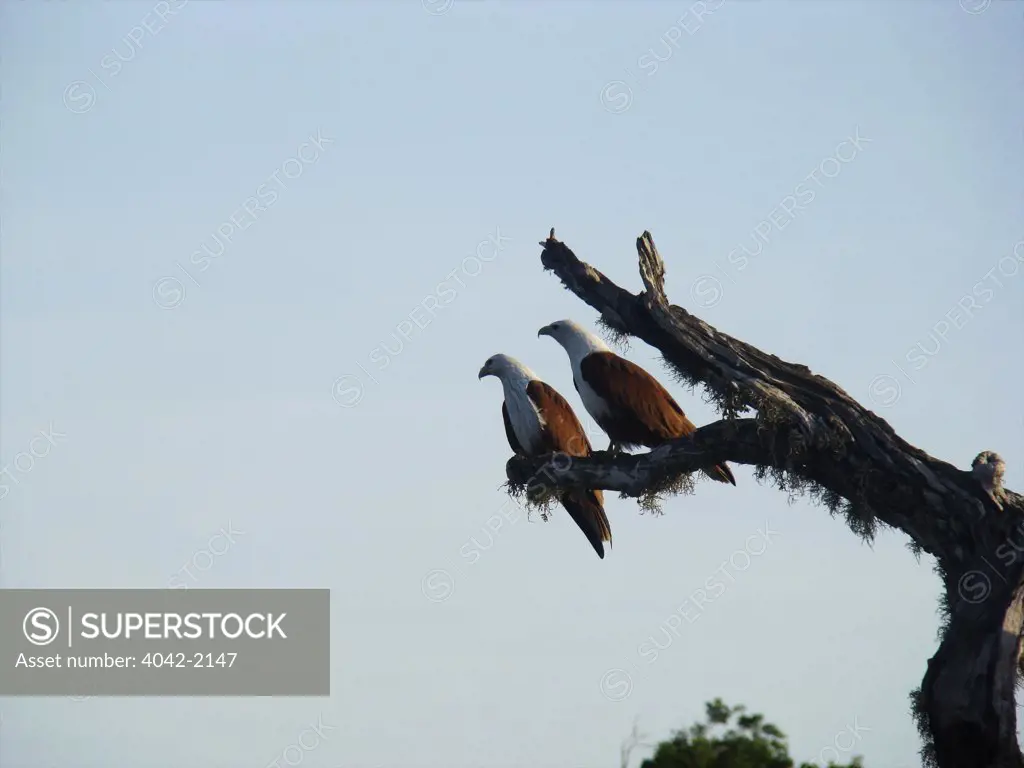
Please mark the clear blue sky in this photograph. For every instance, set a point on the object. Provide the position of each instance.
(125, 151)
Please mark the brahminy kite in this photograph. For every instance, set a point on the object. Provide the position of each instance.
(624, 399)
(538, 421)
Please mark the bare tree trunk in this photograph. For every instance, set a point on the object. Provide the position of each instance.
(809, 435)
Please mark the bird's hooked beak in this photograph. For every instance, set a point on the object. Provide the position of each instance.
(483, 372)
(545, 331)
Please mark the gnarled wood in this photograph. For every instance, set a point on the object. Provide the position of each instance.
(809, 430)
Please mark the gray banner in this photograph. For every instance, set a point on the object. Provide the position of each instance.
(165, 642)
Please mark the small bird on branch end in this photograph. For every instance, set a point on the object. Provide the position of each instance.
(988, 468)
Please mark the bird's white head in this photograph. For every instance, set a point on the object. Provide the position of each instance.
(506, 368)
(577, 341)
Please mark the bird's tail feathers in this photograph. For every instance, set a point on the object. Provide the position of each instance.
(587, 511)
(721, 473)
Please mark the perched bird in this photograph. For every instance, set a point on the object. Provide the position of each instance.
(538, 421)
(988, 468)
(624, 399)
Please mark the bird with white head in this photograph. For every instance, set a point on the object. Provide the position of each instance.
(625, 400)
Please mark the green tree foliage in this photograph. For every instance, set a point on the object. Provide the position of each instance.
(746, 742)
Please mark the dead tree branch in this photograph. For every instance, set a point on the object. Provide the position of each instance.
(808, 434)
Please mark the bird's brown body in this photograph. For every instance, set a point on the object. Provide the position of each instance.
(639, 411)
